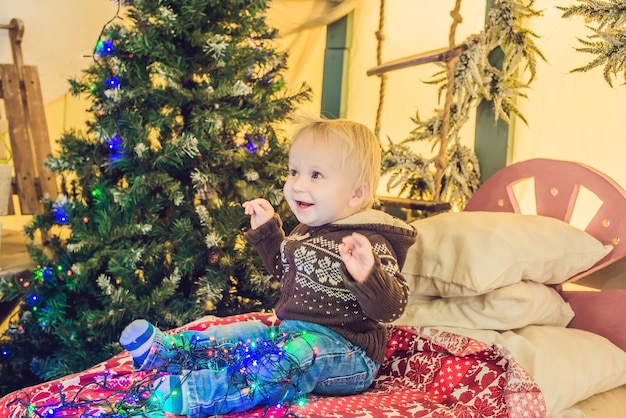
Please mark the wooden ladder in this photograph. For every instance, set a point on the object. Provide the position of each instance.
(28, 131)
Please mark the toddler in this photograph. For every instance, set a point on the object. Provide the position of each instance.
(339, 272)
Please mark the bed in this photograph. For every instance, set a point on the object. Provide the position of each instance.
(496, 326)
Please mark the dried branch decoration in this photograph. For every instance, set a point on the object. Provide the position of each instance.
(608, 41)
(496, 65)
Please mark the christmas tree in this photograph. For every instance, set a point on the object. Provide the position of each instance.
(187, 100)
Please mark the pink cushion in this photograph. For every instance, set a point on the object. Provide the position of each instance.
(602, 313)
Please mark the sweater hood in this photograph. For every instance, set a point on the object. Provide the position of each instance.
(399, 234)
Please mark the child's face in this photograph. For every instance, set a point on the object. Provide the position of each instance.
(317, 189)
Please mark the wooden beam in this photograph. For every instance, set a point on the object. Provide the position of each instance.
(16, 34)
(405, 203)
(39, 130)
(20, 141)
(28, 131)
(436, 55)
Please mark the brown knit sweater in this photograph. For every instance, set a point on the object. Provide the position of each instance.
(316, 287)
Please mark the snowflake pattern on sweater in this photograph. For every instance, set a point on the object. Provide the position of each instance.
(316, 286)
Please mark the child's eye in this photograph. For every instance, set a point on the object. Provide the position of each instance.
(293, 173)
(316, 175)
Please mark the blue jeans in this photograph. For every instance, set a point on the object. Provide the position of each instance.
(325, 363)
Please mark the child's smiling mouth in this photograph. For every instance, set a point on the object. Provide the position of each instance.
(303, 204)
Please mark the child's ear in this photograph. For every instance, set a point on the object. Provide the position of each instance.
(359, 196)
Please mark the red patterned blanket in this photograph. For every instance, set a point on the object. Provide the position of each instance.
(427, 373)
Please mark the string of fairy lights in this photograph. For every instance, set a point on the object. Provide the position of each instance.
(245, 363)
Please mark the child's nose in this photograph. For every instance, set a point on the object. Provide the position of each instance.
(299, 183)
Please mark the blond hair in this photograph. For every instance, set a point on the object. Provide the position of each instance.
(360, 149)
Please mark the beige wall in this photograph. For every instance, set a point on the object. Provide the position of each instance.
(64, 113)
(57, 36)
(572, 116)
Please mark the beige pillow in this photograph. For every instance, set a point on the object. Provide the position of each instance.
(472, 253)
(569, 365)
(509, 307)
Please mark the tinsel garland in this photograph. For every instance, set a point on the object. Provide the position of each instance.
(236, 358)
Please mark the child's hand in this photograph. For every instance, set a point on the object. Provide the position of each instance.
(260, 211)
(356, 253)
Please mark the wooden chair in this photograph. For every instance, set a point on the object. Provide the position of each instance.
(28, 132)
